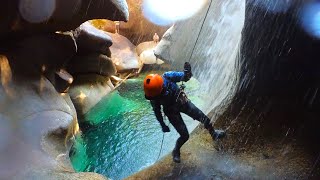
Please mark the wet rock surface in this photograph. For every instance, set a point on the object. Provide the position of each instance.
(90, 39)
(271, 120)
(123, 54)
(210, 42)
(38, 118)
(92, 67)
(92, 64)
(273, 106)
(201, 158)
(31, 110)
(87, 91)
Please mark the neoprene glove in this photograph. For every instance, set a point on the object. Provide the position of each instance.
(165, 128)
(187, 70)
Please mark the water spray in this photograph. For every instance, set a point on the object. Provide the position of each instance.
(182, 86)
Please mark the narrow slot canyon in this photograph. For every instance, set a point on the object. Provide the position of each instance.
(73, 103)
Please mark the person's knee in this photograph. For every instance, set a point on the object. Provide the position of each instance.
(185, 136)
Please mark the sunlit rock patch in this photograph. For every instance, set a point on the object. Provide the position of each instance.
(138, 29)
(123, 53)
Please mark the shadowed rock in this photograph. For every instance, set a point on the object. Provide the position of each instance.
(30, 16)
(91, 64)
(35, 55)
(63, 80)
(87, 91)
(90, 39)
(277, 104)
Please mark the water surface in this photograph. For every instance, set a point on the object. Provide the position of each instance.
(125, 136)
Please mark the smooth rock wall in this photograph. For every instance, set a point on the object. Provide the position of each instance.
(38, 119)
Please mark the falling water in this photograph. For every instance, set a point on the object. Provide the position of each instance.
(215, 49)
(121, 143)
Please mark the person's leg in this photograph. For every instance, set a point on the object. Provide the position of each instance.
(177, 122)
(194, 112)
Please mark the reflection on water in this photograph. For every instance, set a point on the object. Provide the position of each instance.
(124, 136)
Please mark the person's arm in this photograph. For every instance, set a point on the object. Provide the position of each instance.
(176, 76)
(157, 111)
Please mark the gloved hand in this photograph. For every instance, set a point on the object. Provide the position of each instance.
(165, 128)
(187, 70)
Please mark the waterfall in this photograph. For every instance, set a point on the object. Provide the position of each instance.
(216, 47)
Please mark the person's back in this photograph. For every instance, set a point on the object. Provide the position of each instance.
(171, 89)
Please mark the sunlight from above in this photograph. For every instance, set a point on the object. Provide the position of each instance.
(166, 12)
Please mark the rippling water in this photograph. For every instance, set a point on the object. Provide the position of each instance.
(124, 136)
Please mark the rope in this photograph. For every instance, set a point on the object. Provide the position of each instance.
(187, 61)
(161, 146)
(161, 142)
(200, 31)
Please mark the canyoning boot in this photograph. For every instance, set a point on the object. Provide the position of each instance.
(217, 134)
(176, 156)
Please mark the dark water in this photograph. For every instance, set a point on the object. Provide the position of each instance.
(125, 136)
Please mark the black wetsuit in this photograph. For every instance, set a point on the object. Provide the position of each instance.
(174, 101)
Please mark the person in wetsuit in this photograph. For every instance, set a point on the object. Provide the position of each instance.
(163, 91)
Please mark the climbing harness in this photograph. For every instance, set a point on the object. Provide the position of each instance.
(182, 97)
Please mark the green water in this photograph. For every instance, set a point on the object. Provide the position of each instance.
(125, 136)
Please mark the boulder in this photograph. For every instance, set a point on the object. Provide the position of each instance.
(37, 125)
(42, 55)
(30, 16)
(62, 81)
(91, 64)
(145, 46)
(148, 57)
(123, 53)
(88, 90)
(90, 39)
(28, 114)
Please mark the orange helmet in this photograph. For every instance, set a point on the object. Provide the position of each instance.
(152, 85)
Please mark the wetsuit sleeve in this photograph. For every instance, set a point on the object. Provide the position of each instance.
(175, 76)
(157, 111)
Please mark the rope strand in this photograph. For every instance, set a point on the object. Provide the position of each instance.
(161, 142)
(161, 146)
(200, 31)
